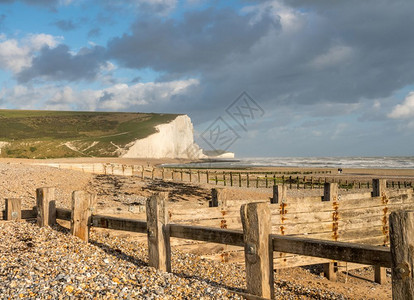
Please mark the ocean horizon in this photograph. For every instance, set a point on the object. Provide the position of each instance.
(383, 162)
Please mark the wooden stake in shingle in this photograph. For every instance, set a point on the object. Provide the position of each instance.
(279, 193)
(258, 250)
(82, 206)
(159, 249)
(46, 206)
(402, 254)
(14, 209)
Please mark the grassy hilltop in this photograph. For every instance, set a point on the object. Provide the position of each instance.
(53, 134)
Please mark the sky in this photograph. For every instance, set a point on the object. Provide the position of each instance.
(259, 78)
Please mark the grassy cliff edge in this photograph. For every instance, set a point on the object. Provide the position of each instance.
(54, 134)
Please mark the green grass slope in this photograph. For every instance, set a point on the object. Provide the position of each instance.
(53, 134)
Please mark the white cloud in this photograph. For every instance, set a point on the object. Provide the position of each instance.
(122, 96)
(404, 110)
(16, 55)
(335, 56)
(119, 97)
(291, 20)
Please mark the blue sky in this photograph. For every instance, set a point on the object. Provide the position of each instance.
(331, 78)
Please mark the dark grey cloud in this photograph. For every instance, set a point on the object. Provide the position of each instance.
(66, 25)
(344, 52)
(57, 64)
(198, 42)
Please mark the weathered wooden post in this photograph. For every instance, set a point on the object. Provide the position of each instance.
(379, 187)
(247, 180)
(46, 206)
(159, 249)
(218, 198)
(13, 209)
(240, 180)
(231, 179)
(330, 193)
(207, 177)
(279, 193)
(224, 179)
(142, 172)
(258, 249)
(402, 254)
(190, 175)
(198, 176)
(82, 205)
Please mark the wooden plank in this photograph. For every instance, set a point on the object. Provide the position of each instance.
(46, 206)
(350, 252)
(29, 213)
(213, 235)
(80, 218)
(159, 249)
(232, 203)
(258, 254)
(114, 223)
(309, 217)
(346, 235)
(305, 206)
(202, 213)
(225, 223)
(402, 254)
(63, 214)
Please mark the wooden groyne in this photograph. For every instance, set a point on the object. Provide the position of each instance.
(272, 233)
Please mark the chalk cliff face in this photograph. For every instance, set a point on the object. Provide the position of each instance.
(173, 140)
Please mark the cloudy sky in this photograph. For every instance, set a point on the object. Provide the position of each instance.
(283, 78)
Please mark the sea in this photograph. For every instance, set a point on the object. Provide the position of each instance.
(386, 162)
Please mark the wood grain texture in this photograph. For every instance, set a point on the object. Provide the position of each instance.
(159, 249)
(80, 217)
(14, 209)
(46, 206)
(350, 252)
(258, 249)
(402, 253)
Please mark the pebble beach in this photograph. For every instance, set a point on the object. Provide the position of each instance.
(48, 263)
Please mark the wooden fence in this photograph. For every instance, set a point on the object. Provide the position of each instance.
(313, 179)
(259, 244)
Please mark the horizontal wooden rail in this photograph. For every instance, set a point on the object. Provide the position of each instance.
(26, 214)
(119, 223)
(63, 214)
(206, 234)
(349, 252)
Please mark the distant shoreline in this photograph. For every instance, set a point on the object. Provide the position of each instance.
(346, 173)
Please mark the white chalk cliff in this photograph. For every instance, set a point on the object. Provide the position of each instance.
(172, 140)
